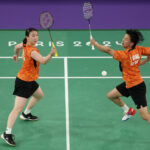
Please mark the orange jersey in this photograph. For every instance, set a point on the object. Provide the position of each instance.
(30, 67)
(130, 61)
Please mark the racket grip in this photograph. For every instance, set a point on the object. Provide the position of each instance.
(56, 54)
(93, 47)
(91, 38)
(53, 45)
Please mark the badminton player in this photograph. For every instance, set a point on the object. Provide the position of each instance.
(25, 84)
(133, 84)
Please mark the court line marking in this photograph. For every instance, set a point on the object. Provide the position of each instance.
(107, 77)
(67, 102)
(66, 87)
(71, 57)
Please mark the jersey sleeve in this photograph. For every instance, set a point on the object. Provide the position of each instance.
(119, 55)
(144, 50)
(29, 51)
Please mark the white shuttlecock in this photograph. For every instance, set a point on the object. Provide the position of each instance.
(104, 73)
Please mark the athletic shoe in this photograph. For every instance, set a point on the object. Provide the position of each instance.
(131, 112)
(28, 117)
(8, 138)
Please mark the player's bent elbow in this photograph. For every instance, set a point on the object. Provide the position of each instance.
(16, 48)
(43, 62)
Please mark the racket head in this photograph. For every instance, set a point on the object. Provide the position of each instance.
(87, 10)
(46, 20)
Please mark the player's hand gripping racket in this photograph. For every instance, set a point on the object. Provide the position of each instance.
(46, 21)
(88, 14)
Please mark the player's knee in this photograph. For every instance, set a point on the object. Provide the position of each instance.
(17, 110)
(109, 96)
(40, 95)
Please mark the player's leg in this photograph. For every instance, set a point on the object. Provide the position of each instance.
(37, 95)
(26, 115)
(18, 107)
(115, 95)
(138, 94)
(144, 113)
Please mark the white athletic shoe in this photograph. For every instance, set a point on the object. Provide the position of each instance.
(131, 112)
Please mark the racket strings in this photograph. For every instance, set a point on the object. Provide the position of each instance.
(87, 10)
(46, 20)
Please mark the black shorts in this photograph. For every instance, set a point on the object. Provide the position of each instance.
(138, 93)
(25, 89)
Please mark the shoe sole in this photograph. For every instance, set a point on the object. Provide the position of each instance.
(129, 116)
(6, 141)
(22, 118)
(127, 119)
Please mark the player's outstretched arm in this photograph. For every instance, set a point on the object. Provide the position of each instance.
(43, 60)
(16, 50)
(102, 48)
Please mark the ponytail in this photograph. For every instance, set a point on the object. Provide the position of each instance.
(24, 42)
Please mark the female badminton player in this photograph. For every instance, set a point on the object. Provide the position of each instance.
(25, 84)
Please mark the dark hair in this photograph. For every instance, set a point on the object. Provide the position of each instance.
(136, 36)
(27, 34)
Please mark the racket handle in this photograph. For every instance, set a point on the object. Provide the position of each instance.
(91, 38)
(53, 45)
(93, 47)
(56, 54)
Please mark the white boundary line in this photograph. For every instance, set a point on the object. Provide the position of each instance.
(66, 85)
(66, 77)
(67, 103)
(70, 57)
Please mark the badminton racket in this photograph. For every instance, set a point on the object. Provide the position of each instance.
(46, 22)
(88, 14)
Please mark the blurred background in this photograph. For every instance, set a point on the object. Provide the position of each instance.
(108, 14)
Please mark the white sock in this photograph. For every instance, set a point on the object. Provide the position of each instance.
(27, 111)
(8, 130)
(125, 108)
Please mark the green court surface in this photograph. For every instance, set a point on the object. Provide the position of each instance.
(74, 113)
